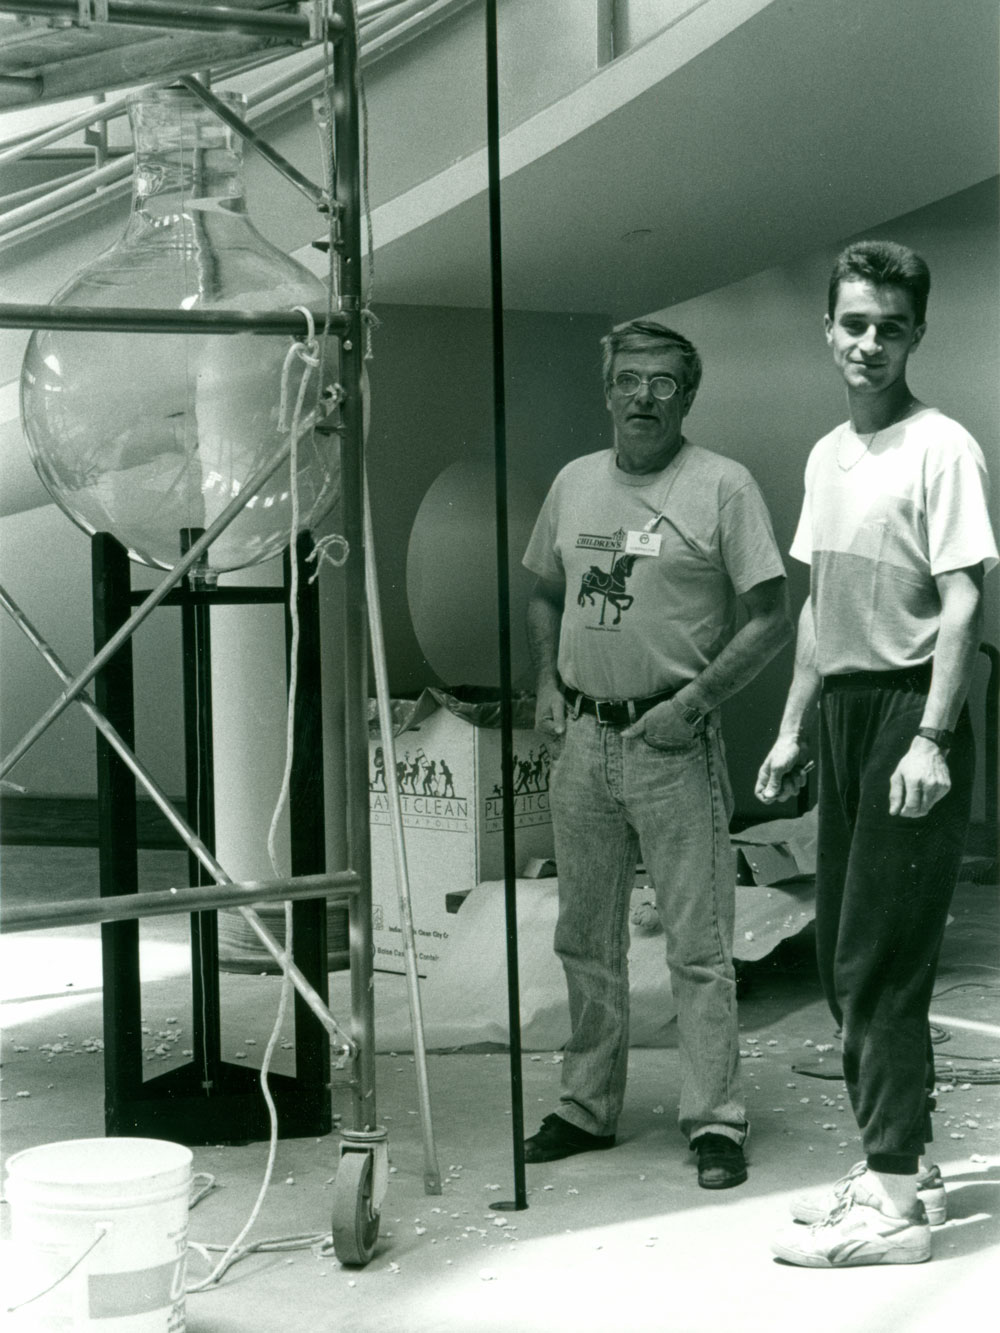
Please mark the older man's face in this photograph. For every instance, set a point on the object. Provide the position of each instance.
(648, 430)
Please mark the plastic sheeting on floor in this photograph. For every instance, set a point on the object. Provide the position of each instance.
(464, 1000)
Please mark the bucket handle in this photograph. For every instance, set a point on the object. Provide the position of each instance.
(102, 1232)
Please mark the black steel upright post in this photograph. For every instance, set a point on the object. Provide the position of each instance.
(503, 610)
(307, 828)
(355, 609)
(199, 771)
(117, 836)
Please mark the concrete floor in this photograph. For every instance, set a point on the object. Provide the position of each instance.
(622, 1240)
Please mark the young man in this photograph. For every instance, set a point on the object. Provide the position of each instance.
(642, 553)
(896, 531)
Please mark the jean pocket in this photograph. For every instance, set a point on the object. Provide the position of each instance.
(671, 747)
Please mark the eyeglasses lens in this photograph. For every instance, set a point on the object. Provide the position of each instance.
(661, 387)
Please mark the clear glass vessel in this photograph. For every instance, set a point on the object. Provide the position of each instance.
(144, 435)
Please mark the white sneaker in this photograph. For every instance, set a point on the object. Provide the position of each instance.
(817, 1204)
(857, 1233)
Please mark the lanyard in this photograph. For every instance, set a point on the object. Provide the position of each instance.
(661, 513)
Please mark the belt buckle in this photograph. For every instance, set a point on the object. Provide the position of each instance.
(609, 712)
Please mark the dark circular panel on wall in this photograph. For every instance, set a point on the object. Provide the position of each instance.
(451, 576)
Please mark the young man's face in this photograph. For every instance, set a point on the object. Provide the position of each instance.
(872, 332)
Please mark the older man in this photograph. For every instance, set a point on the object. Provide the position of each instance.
(643, 554)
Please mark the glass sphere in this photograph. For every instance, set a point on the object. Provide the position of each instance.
(146, 435)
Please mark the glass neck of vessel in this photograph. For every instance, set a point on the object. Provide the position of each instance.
(188, 167)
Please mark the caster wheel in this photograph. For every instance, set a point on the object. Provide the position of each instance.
(354, 1224)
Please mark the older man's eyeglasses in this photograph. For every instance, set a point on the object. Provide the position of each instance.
(627, 385)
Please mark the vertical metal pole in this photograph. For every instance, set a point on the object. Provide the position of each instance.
(347, 191)
(503, 609)
(117, 838)
(992, 755)
(199, 766)
(306, 833)
(432, 1174)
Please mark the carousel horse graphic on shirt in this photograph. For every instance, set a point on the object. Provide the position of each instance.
(609, 584)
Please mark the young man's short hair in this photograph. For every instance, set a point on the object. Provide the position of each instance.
(884, 264)
(646, 334)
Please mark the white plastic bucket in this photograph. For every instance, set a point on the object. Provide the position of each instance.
(125, 1198)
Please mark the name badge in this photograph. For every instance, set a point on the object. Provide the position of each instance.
(642, 543)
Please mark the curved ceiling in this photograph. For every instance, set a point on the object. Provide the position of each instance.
(738, 138)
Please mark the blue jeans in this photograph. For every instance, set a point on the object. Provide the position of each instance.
(611, 797)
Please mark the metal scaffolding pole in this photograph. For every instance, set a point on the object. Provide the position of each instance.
(174, 902)
(432, 1173)
(292, 27)
(315, 193)
(138, 319)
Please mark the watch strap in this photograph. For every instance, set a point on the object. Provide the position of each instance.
(942, 739)
(692, 716)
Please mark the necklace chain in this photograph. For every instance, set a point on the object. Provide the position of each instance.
(867, 444)
(866, 449)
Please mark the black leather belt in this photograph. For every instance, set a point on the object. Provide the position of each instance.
(915, 679)
(613, 712)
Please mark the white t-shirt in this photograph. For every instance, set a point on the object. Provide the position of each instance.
(878, 525)
(635, 625)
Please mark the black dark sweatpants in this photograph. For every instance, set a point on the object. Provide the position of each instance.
(883, 888)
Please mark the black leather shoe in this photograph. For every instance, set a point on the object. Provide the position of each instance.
(557, 1138)
(721, 1163)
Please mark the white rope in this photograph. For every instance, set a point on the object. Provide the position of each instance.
(322, 552)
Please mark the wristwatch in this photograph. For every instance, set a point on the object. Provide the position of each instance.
(691, 715)
(942, 739)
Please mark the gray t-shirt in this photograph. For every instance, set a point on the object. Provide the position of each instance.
(637, 624)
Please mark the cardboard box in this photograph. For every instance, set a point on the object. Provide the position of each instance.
(778, 851)
(448, 775)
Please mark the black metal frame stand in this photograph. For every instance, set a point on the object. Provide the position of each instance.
(207, 1100)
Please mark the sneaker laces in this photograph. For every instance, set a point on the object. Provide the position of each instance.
(843, 1186)
(837, 1213)
(843, 1193)
(848, 1200)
